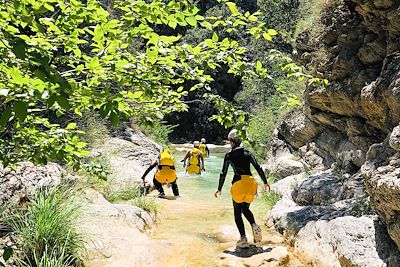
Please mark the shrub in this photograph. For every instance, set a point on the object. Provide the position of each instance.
(98, 167)
(270, 198)
(146, 203)
(311, 14)
(158, 131)
(363, 207)
(95, 128)
(47, 222)
(125, 193)
(51, 259)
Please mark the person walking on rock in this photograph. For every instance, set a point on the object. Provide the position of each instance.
(244, 187)
(166, 173)
(195, 160)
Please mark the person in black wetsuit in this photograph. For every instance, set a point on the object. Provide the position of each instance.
(240, 160)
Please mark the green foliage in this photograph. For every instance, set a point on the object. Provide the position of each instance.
(60, 59)
(7, 254)
(363, 207)
(48, 222)
(311, 14)
(158, 131)
(136, 196)
(98, 167)
(95, 128)
(51, 258)
(148, 204)
(127, 192)
(270, 198)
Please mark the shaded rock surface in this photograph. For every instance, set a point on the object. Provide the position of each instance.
(255, 256)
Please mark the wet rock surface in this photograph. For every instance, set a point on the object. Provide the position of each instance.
(254, 256)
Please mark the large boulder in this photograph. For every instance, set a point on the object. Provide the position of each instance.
(381, 173)
(129, 154)
(346, 241)
(116, 234)
(27, 179)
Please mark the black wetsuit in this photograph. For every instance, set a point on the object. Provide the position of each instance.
(240, 160)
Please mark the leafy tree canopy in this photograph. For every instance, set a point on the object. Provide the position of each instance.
(61, 58)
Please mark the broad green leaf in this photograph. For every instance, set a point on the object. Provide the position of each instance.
(20, 110)
(63, 102)
(233, 8)
(191, 21)
(206, 25)
(258, 65)
(19, 49)
(114, 117)
(5, 116)
(210, 43)
(267, 37)
(16, 76)
(272, 32)
(135, 95)
(253, 18)
(215, 37)
(48, 7)
(71, 126)
(8, 252)
(172, 24)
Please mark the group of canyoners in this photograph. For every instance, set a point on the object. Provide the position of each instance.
(244, 186)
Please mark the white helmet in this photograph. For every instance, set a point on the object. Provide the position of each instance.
(203, 140)
(196, 143)
(233, 135)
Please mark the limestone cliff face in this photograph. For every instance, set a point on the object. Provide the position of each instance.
(354, 122)
(361, 106)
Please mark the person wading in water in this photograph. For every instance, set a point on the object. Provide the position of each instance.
(194, 160)
(244, 187)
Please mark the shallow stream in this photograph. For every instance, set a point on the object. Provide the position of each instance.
(189, 223)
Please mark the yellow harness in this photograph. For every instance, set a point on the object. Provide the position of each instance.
(194, 163)
(166, 174)
(244, 190)
(202, 148)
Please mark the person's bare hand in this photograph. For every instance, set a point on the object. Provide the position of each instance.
(267, 188)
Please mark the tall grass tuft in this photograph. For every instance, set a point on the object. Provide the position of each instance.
(127, 192)
(48, 222)
(50, 258)
(136, 196)
(146, 203)
(270, 198)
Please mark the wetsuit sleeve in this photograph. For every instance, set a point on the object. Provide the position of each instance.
(186, 156)
(223, 173)
(258, 168)
(153, 164)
